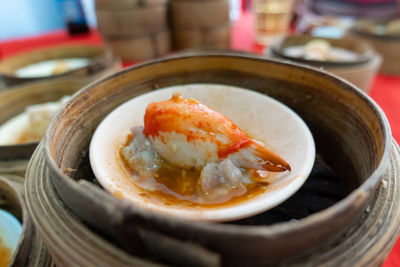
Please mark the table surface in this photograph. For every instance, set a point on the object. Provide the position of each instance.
(385, 89)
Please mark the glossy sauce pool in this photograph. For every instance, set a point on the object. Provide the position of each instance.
(179, 187)
(26, 137)
(5, 254)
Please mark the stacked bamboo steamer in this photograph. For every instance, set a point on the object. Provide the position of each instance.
(134, 29)
(140, 29)
(200, 24)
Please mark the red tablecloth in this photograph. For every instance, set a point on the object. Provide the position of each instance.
(385, 90)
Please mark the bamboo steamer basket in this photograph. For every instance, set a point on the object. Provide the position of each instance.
(143, 47)
(14, 158)
(30, 250)
(101, 63)
(366, 243)
(351, 133)
(360, 72)
(386, 45)
(134, 29)
(200, 24)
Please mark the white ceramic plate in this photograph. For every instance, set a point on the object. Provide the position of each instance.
(260, 116)
(10, 230)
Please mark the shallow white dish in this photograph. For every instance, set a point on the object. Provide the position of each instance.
(10, 230)
(260, 116)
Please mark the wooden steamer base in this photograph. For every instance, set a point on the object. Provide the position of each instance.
(71, 242)
(30, 250)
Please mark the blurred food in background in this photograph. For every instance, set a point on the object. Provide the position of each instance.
(321, 50)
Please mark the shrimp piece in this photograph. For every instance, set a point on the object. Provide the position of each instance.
(190, 135)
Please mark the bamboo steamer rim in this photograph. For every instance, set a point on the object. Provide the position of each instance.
(361, 47)
(97, 56)
(30, 250)
(366, 243)
(351, 203)
(28, 91)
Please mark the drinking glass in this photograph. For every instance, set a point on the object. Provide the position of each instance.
(272, 19)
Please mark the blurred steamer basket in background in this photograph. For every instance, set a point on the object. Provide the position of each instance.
(81, 62)
(359, 70)
(201, 24)
(272, 19)
(387, 45)
(14, 158)
(134, 29)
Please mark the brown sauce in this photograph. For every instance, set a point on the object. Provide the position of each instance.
(5, 254)
(26, 137)
(179, 187)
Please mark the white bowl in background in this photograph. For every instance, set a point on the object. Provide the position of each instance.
(10, 230)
